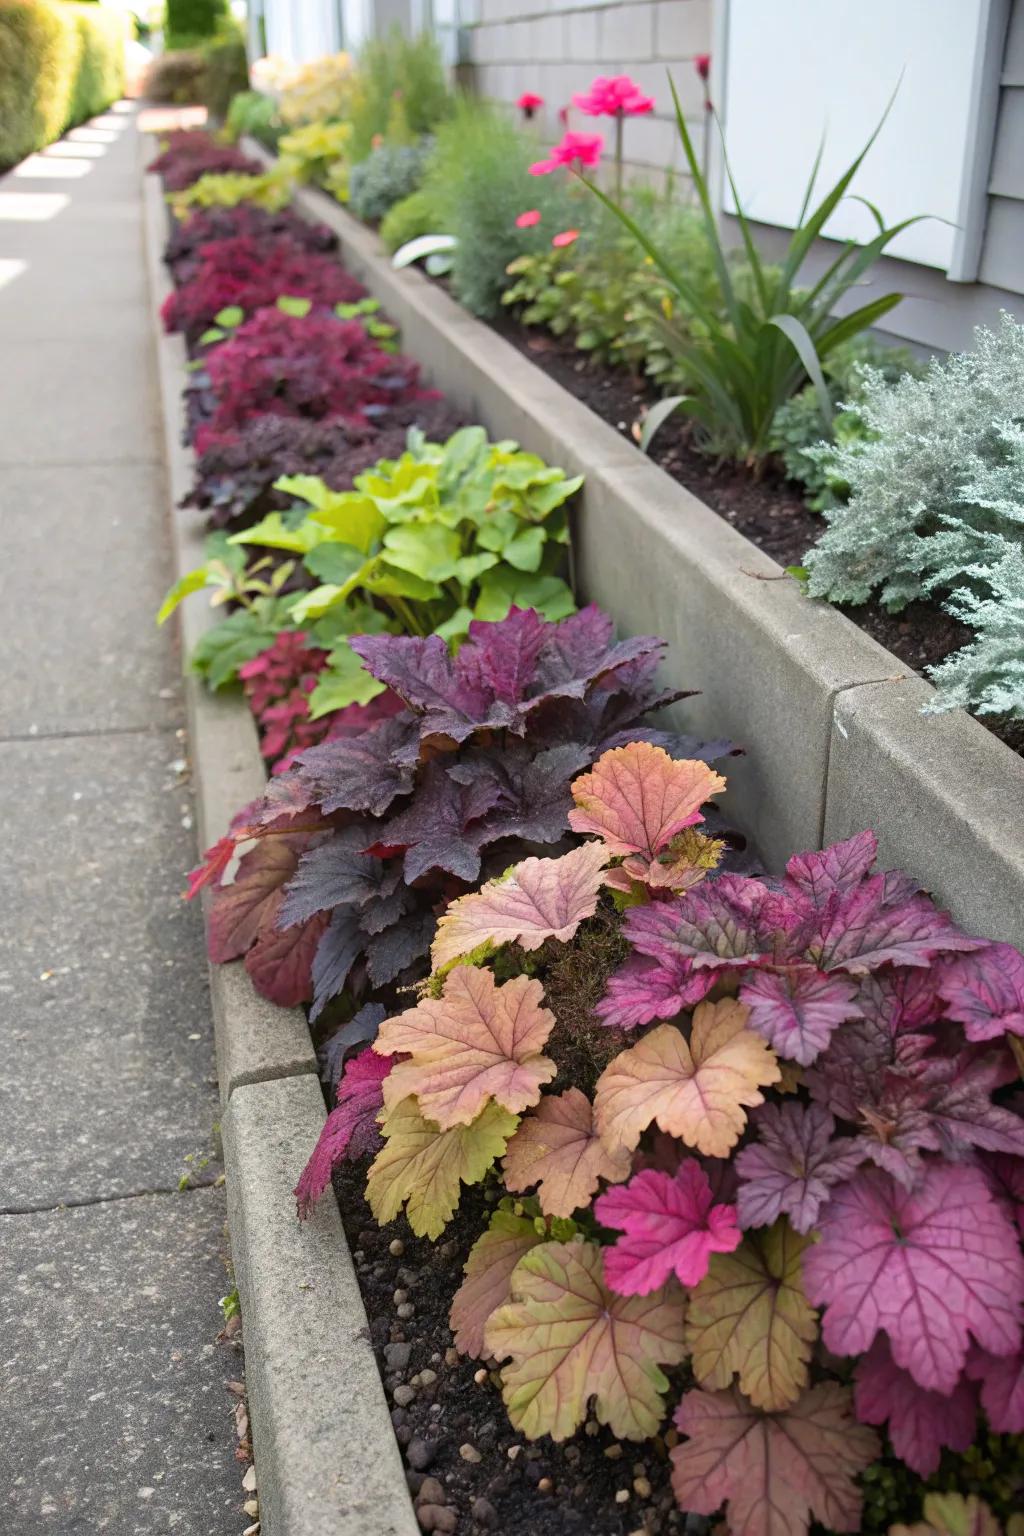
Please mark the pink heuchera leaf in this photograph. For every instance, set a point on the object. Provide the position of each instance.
(215, 862)
(351, 1129)
(671, 1227)
(793, 1166)
(636, 798)
(932, 1267)
(539, 899)
(878, 923)
(985, 991)
(557, 1148)
(833, 871)
(488, 1272)
(921, 1423)
(477, 1042)
(773, 1471)
(641, 990)
(798, 1011)
(1005, 1177)
(1002, 1389)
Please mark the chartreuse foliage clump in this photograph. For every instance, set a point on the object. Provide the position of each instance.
(936, 508)
(423, 544)
(801, 1171)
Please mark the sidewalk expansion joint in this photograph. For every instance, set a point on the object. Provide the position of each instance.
(130, 1194)
(101, 731)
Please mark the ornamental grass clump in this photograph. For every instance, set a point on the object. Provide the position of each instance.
(936, 508)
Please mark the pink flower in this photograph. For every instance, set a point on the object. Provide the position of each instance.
(528, 219)
(565, 238)
(616, 97)
(702, 64)
(529, 102)
(583, 147)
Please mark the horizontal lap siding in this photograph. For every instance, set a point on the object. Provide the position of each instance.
(555, 49)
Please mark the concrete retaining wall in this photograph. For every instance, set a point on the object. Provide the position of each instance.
(830, 720)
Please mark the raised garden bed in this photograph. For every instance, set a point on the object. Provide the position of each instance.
(830, 720)
(327, 1464)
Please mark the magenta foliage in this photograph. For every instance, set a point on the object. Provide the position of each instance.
(191, 153)
(207, 225)
(921, 1423)
(309, 366)
(934, 1268)
(350, 1130)
(278, 683)
(671, 1226)
(251, 273)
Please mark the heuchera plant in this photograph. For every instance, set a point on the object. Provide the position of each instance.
(290, 365)
(190, 153)
(817, 1154)
(251, 273)
(357, 846)
(237, 471)
(208, 225)
(278, 683)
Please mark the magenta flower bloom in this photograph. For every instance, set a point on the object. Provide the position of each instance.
(582, 147)
(616, 97)
(529, 102)
(566, 237)
(702, 64)
(528, 219)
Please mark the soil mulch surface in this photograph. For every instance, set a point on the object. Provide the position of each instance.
(468, 1471)
(769, 512)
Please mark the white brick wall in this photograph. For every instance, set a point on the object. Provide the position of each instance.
(556, 47)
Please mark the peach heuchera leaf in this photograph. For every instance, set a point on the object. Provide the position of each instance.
(953, 1514)
(538, 899)
(773, 1471)
(478, 1041)
(488, 1272)
(422, 1167)
(697, 1090)
(636, 798)
(570, 1339)
(671, 1226)
(750, 1318)
(558, 1148)
(920, 1423)
(932, 1266)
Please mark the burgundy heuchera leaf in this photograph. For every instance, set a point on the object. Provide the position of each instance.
(920, 1423)
(793, 1166)
(933, 1268)
(350, 1130)
(1002, 1389)
(671, 1227)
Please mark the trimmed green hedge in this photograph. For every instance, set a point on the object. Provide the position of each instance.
(59, 64)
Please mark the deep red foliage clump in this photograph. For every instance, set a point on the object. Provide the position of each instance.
(278, 684)
(191, 153)
(251, 272)
(312, 367)
(206, 225)
(236, 472)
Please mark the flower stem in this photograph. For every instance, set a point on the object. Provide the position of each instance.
(618, 157)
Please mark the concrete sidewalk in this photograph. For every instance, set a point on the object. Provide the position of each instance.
(115, 1414)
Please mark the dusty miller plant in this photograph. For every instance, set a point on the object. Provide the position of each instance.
(937, 495)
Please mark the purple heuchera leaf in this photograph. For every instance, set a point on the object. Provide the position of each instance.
(873, 926)
(797, 1012)
(895, 1007)
(985, 991)
(793, 1166)
(350, 1130)
(933, 1268)
(340, 872)
(920, 1422)
(641, 990)
(671, 1226)
(361, 1029)
(835, 870)
(336, 953)
(360, 773)
(1002, 1389)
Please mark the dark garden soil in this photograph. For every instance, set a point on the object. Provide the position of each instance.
(770, 512)
(468, 1471)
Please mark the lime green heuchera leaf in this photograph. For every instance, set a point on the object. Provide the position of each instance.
(488, 1272)
(749, 1317)
(535, 900)
(343, 681)
(423, 1167)
(477, 1042)
(956, 1514)
(503, 588)
(572, 1340)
